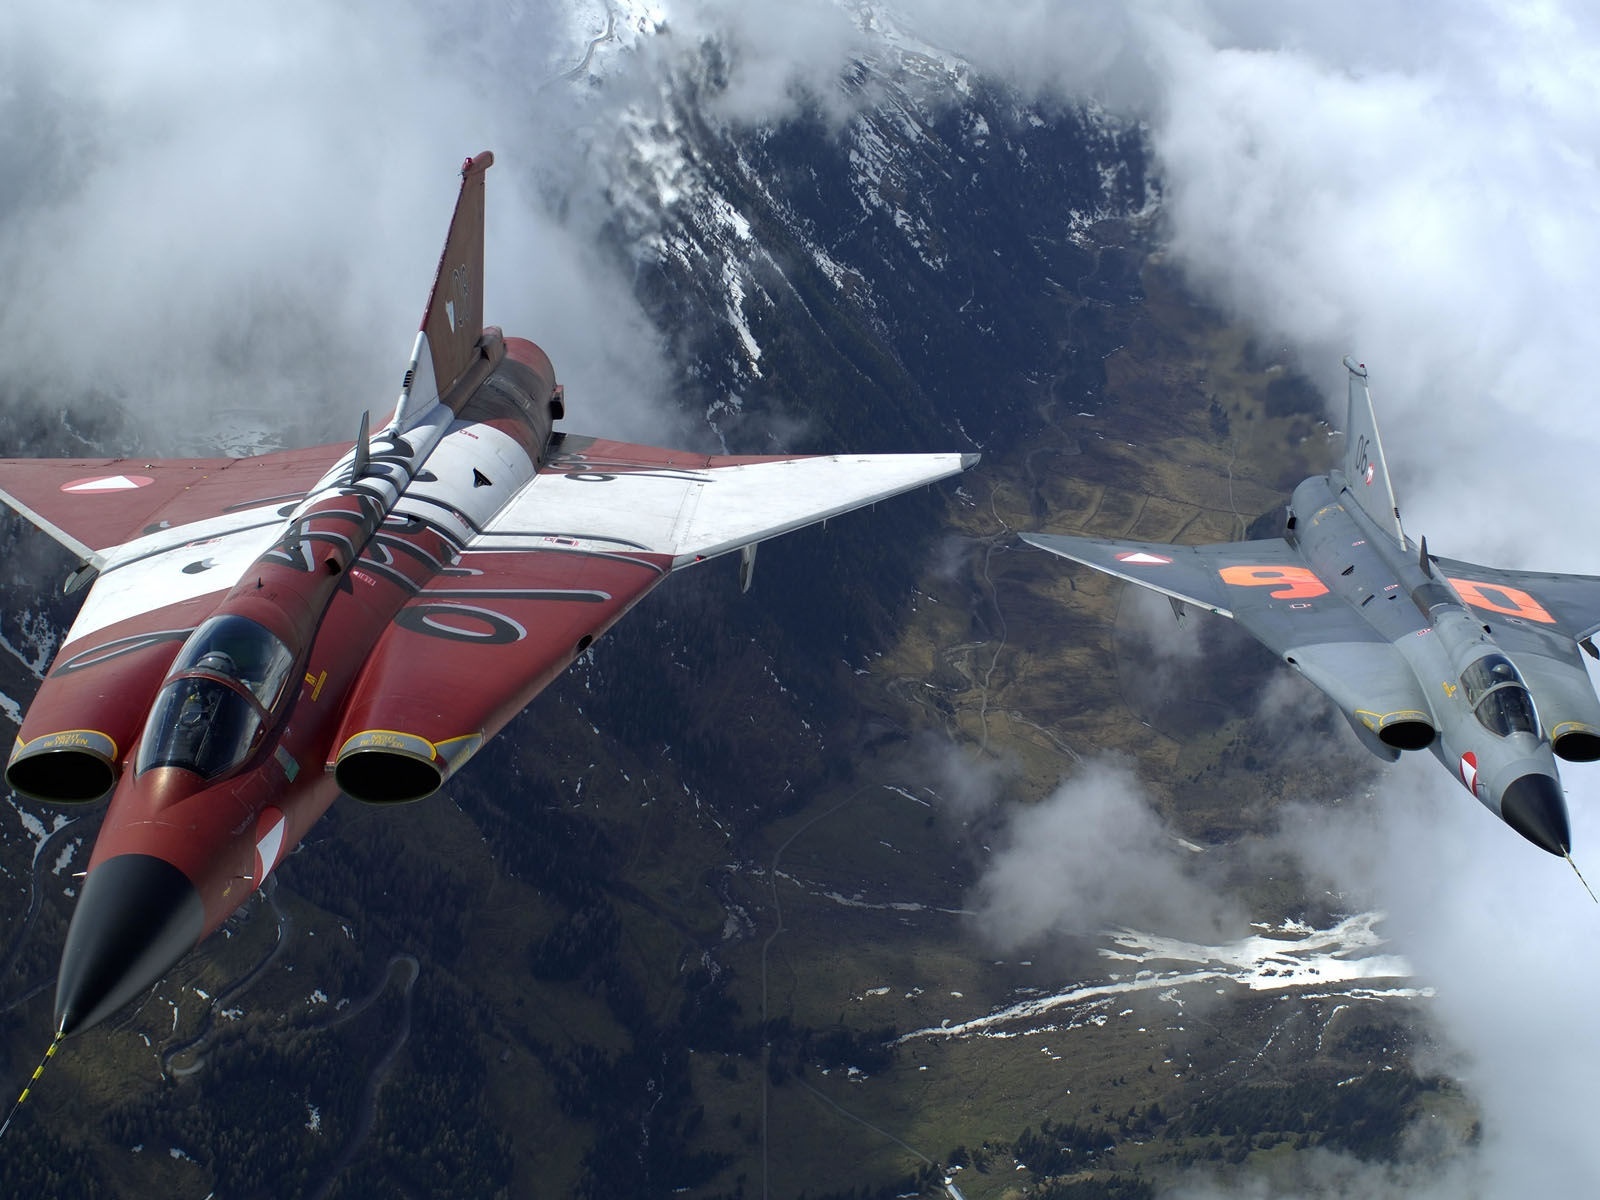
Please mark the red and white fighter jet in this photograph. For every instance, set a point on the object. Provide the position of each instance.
(264, 634)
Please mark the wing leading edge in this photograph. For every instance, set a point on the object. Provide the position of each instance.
(1187, 573)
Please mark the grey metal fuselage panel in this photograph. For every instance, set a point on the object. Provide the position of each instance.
(1537, 618)
(1363, 643)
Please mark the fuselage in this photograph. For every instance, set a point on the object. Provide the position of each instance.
(1453, 689)
(235, 762)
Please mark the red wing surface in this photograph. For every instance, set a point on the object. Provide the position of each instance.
(470, 649)
(573, 550)
(90, 505)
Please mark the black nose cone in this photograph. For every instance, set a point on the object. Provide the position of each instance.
(137, 916)
(1534, 806)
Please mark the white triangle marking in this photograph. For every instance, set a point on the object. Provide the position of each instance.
(1142, 559)
(267, 849)
(108, 483)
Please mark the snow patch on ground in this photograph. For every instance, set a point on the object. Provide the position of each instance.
(1342, 961)
(902, 792)
(34, 827)
(37, 642)
(890, 905)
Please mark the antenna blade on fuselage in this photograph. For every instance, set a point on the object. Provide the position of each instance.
(1365, 471)
(363, 451)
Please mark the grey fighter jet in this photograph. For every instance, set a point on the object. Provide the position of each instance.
(1477, 664)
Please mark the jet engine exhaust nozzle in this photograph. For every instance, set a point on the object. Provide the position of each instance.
(1414, 734)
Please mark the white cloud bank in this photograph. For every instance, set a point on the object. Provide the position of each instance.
(1420, 185)
(242, 208)
(1092, 855)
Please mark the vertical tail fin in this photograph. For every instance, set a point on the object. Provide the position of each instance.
(1365, 471)
(453, 321)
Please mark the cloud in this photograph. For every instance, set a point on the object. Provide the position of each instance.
(202, 212)
(969, 785)
(1094, 855)
(1174, 643)
(776, 56)
(1502, 931)
(1425, 201)
(1419, 186)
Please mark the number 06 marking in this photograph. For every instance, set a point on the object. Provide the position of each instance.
(1293, 583)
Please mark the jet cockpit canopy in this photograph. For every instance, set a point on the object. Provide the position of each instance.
(1499, 698)
(222, 688)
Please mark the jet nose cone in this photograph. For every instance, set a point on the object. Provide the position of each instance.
(1534, 806)
(136, 917)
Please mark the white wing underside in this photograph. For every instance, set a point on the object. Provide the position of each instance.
(173, 565)
(694, 514)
